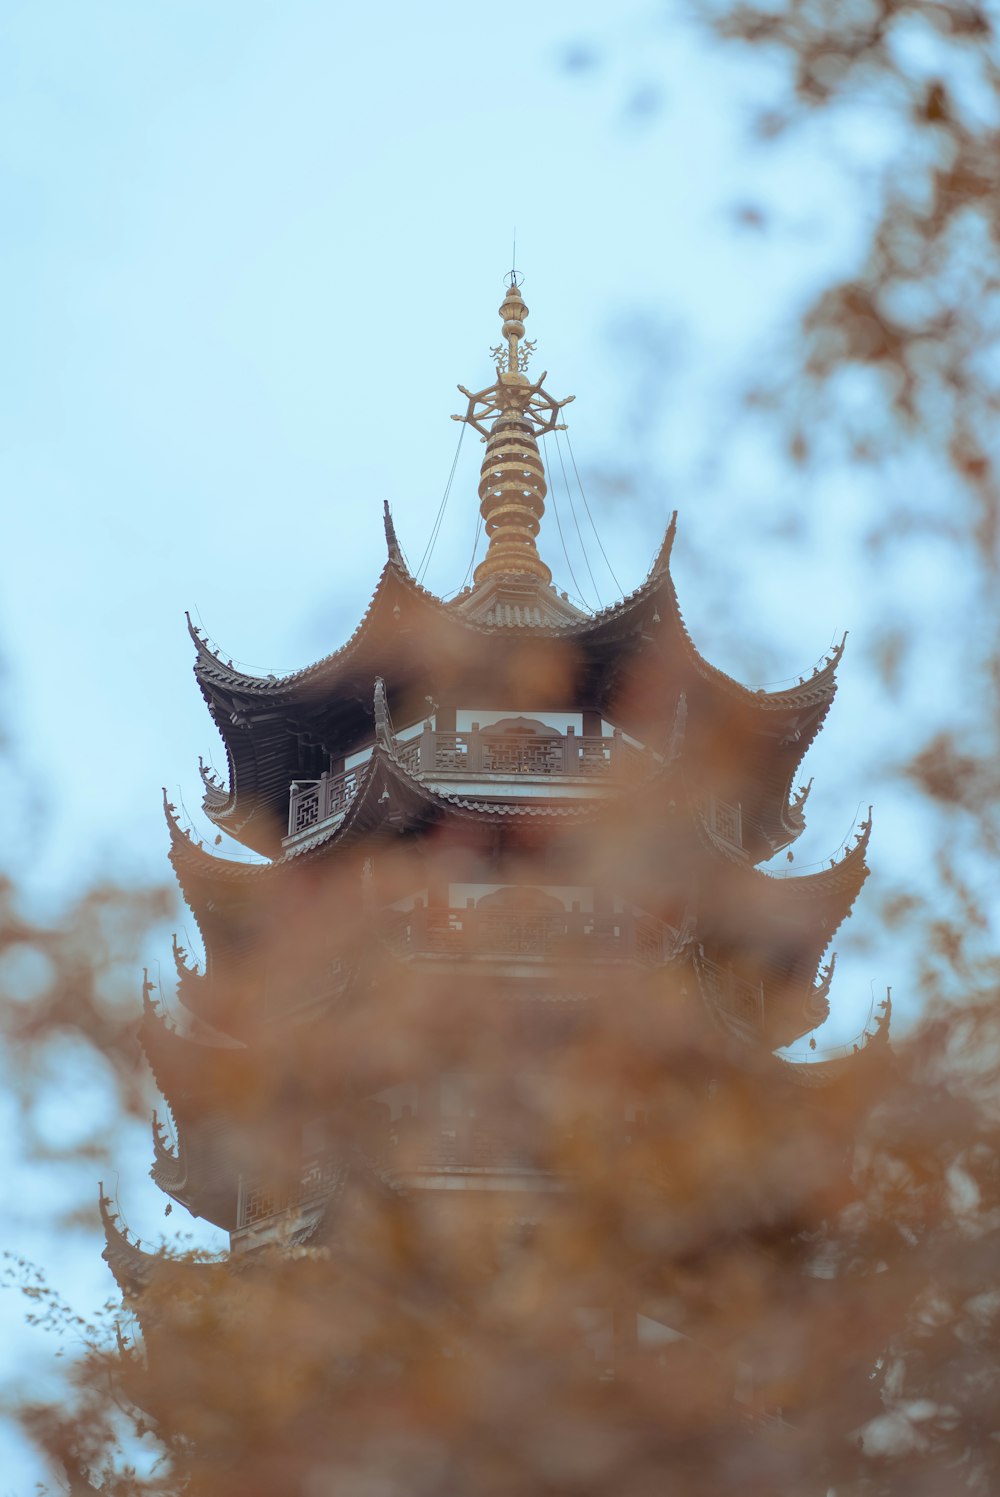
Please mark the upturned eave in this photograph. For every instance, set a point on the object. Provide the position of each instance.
(407, 632)
(788, 920)
(193, 1074)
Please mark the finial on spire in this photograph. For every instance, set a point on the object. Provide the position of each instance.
(513, 278)
(512, 484)
(511, 357)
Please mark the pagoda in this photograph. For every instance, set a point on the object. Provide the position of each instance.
(478, 832)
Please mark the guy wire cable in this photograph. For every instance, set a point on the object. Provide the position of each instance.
(590, 517)
(576, 522)
(555, 511)
(801, 868)
(429, 549)
(472, 560)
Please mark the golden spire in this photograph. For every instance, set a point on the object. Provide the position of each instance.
(512, 483)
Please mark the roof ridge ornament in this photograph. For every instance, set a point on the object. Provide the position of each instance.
(391, 542)
(383, 723)
(661, 561)
(512, 482)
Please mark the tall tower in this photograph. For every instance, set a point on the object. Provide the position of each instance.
(486, 830)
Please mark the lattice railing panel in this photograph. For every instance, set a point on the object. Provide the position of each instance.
(478, 751)
(315, 801)
(262, 1199)
(523, 755)
(525, 933)
(408, 754)
(451, 752)
(593, 756)
(259, 1202)
(305, 808)
(726, 821)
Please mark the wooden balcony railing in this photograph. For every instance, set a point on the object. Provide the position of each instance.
(511, 1140)
(477, 752)
(260, 1198)
(314, 801)
(527, 934)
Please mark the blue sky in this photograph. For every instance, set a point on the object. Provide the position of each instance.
(249, 253)
(249, 250)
